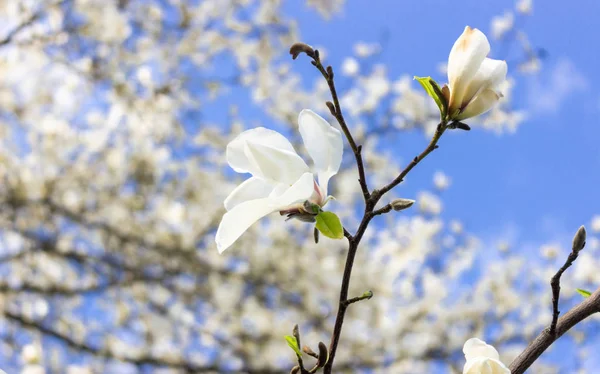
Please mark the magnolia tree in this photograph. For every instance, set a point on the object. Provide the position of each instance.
(121, 124)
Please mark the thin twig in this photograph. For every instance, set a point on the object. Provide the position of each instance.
(385, 209)
(336, 111)
(441, 127)
(366, 296)
(588, 307)
(578, 244)
(559, 326)
(354, 241)
(8, 38)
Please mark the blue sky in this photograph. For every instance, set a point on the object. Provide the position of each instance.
(538, 183)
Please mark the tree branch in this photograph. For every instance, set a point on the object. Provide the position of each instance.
(578, 244)
(582, 311)
(441, 127)
(371, 199)
(336, 111)
(559, 326)
(26, 23)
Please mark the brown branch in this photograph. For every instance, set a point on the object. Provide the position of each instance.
(365, 296)
(371, 199)
(559, 326)
(26, 23)
(578, 244)
(441, 127)
(336, 111)
(582, 311)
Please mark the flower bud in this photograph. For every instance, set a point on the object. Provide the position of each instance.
(579, 239)
(298, 48)
(306, 349)
(323, 356)
(401, 204)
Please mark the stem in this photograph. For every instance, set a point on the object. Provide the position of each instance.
(555, 284)
(339, 319)
(441, 127)
(354, 241)
(582, 311)
(371, 199)
(336, 111)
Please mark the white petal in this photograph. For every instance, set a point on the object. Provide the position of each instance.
(251, 189)
(242, 216)
(491, 74)
(275, 164)
(236, 154)
(297, 193)
(467, 54)
(235, 222)
(478, 348)
(483, 365)
(481, 104)
(324, 145)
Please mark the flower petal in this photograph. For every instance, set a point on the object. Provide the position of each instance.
(275, 164)
(467, 54)
(491, 74)
(235, 222)
(324, 145)
(236, 154)
(251, 189)
(483, 365)
(481, 104)
(299, 192)
(474, 348)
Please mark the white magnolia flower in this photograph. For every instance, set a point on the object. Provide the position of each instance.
(473, 78)
(281, 181)
(482, 358)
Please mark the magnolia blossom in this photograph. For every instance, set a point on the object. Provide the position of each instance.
(482, 358)
(473, 78)
(281, 180)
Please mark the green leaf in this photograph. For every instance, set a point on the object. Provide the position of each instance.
(584, 293)
(291, 341)
(330, 225)
(434, 90)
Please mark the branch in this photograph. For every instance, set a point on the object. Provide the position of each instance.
(336, 110)
(365, 296)
(578, 244)
(582, 311)
(371, 199)
(14, 32)
(559, 326)
(441, 127)
(26, 23)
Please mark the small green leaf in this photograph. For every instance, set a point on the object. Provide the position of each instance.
(291, 341)
(434, 90)
(330, 225)
(584, 293)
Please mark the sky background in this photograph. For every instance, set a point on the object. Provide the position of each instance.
(538, 184)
